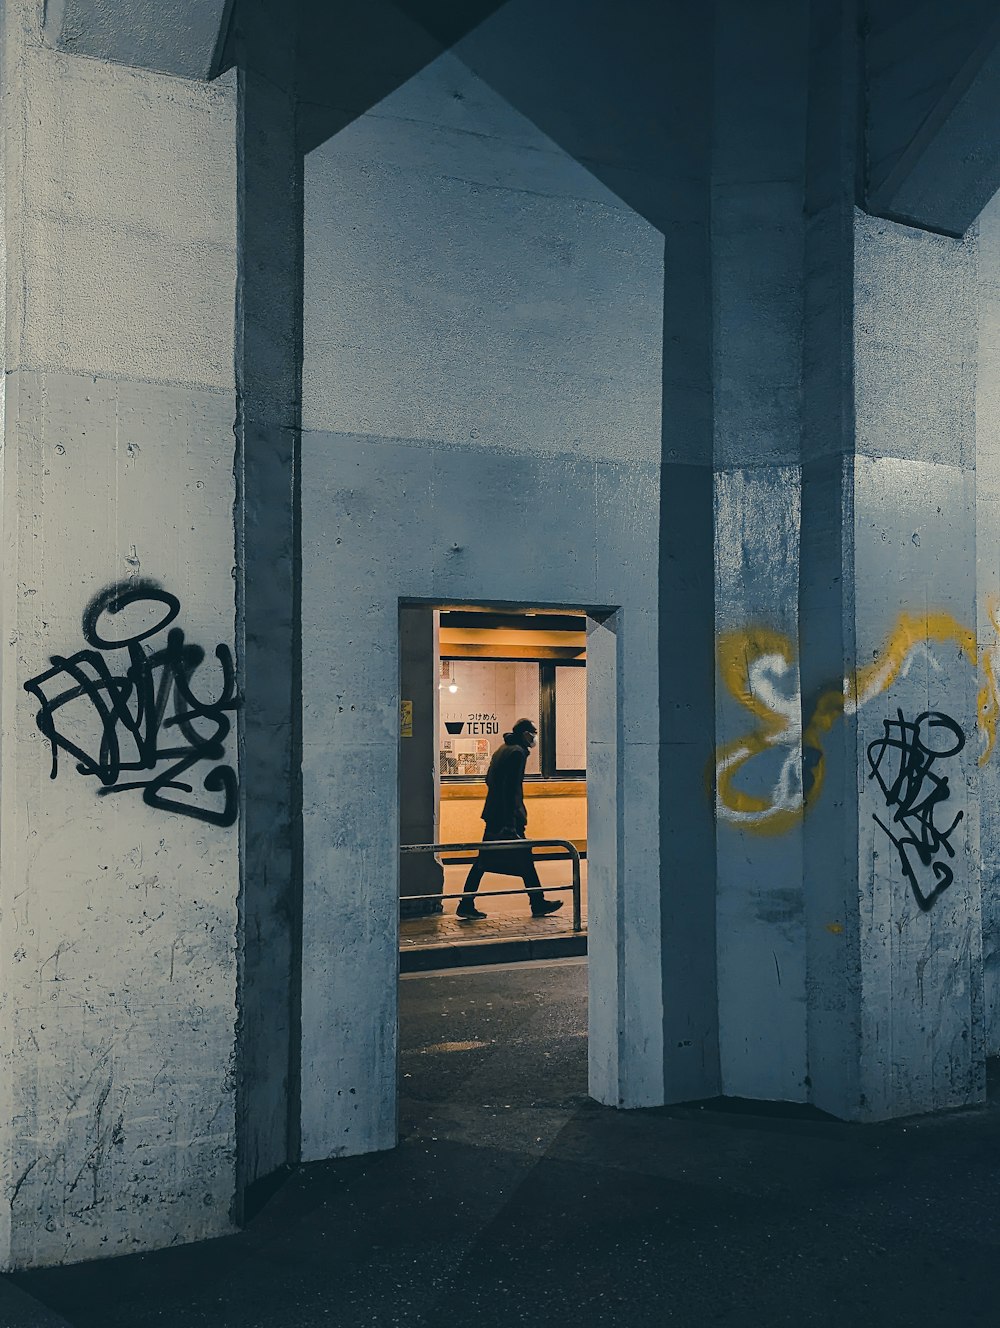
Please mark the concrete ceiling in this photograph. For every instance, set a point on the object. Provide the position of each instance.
(933, 111)
(182, 37)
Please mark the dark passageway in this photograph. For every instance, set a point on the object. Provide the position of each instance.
(513, 1199)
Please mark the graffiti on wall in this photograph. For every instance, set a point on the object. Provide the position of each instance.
(784, 753)
(126, 710)
(903, 762)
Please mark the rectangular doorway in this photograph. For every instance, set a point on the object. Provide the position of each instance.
(470, 991)
(467, 675)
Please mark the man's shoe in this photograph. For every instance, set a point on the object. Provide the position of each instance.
(469, 912)
(546, 906)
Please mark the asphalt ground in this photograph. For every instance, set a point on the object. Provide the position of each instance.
(514, 1199)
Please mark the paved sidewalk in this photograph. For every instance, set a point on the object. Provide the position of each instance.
(508, 917)
(513, 1199)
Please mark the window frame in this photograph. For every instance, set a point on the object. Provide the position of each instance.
(548, 771)
(548, 718)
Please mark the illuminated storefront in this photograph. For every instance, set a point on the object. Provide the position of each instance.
(491, 673)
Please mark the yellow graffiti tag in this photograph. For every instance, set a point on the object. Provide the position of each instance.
(753, 662)
(988, 709)
(758, 666)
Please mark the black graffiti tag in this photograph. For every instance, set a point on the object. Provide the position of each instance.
(902, 761)
(148, 714)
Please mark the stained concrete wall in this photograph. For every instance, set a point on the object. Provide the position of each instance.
(893, 905)
(268, 390)
(870, 576)
(616, 343)
(758, 259)
(915, 554)
(481, 423)
(178, 37)
(988, 592)
(932, 112)
(913, 53)
(117, 963)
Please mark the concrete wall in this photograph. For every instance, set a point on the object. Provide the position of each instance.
(913, 53)
(915, 614)
(561, 816)
(481, 423)
(852, 342)
(757, 256)
(888, 537)
(988, 593)
(554, 354)
(117, 962)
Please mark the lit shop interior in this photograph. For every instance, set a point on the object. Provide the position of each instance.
(490, 670)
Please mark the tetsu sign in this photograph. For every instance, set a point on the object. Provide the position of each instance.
(477, 725)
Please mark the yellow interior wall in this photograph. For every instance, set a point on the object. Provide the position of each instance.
(551, 815)
(498, 637)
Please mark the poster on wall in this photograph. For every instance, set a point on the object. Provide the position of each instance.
(466, 750)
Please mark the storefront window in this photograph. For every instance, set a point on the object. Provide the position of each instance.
(480, 700)
(571, 718)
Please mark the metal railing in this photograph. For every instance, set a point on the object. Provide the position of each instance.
(572, 852)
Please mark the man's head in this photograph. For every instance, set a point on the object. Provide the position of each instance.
(525, 732)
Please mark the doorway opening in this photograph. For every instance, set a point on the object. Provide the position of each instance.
(481, 997)
(467, 676)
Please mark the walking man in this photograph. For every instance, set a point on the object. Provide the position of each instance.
(506, 817)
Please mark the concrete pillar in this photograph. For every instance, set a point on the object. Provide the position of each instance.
(757, 259)
(988, 591)
(268, 361)
(419, 783)
(118, 948)
(887, 630)
(686, 641)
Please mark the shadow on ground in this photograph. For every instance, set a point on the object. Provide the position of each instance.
(513, 1199)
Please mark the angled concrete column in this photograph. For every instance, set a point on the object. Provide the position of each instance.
(268, 358)
(757, 257)
(686, 644)
(988, 589)
(889, 659)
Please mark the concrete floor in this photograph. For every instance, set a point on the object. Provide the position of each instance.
(513, 1199)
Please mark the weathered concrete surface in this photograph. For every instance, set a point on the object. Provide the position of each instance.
(988, 590)
(173, 37)
(932, 111)
(536, 324)
(915, 552)
(921, 971)
(826, 643)
(475, 223)
(904, 982)
(268, 392)
(350, 694)
(762, 952)
(887, 630)
(482, 360)
(680, 202)
(757, 287)
(117, 965)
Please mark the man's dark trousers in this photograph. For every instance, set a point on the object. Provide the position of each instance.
(506, 862)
